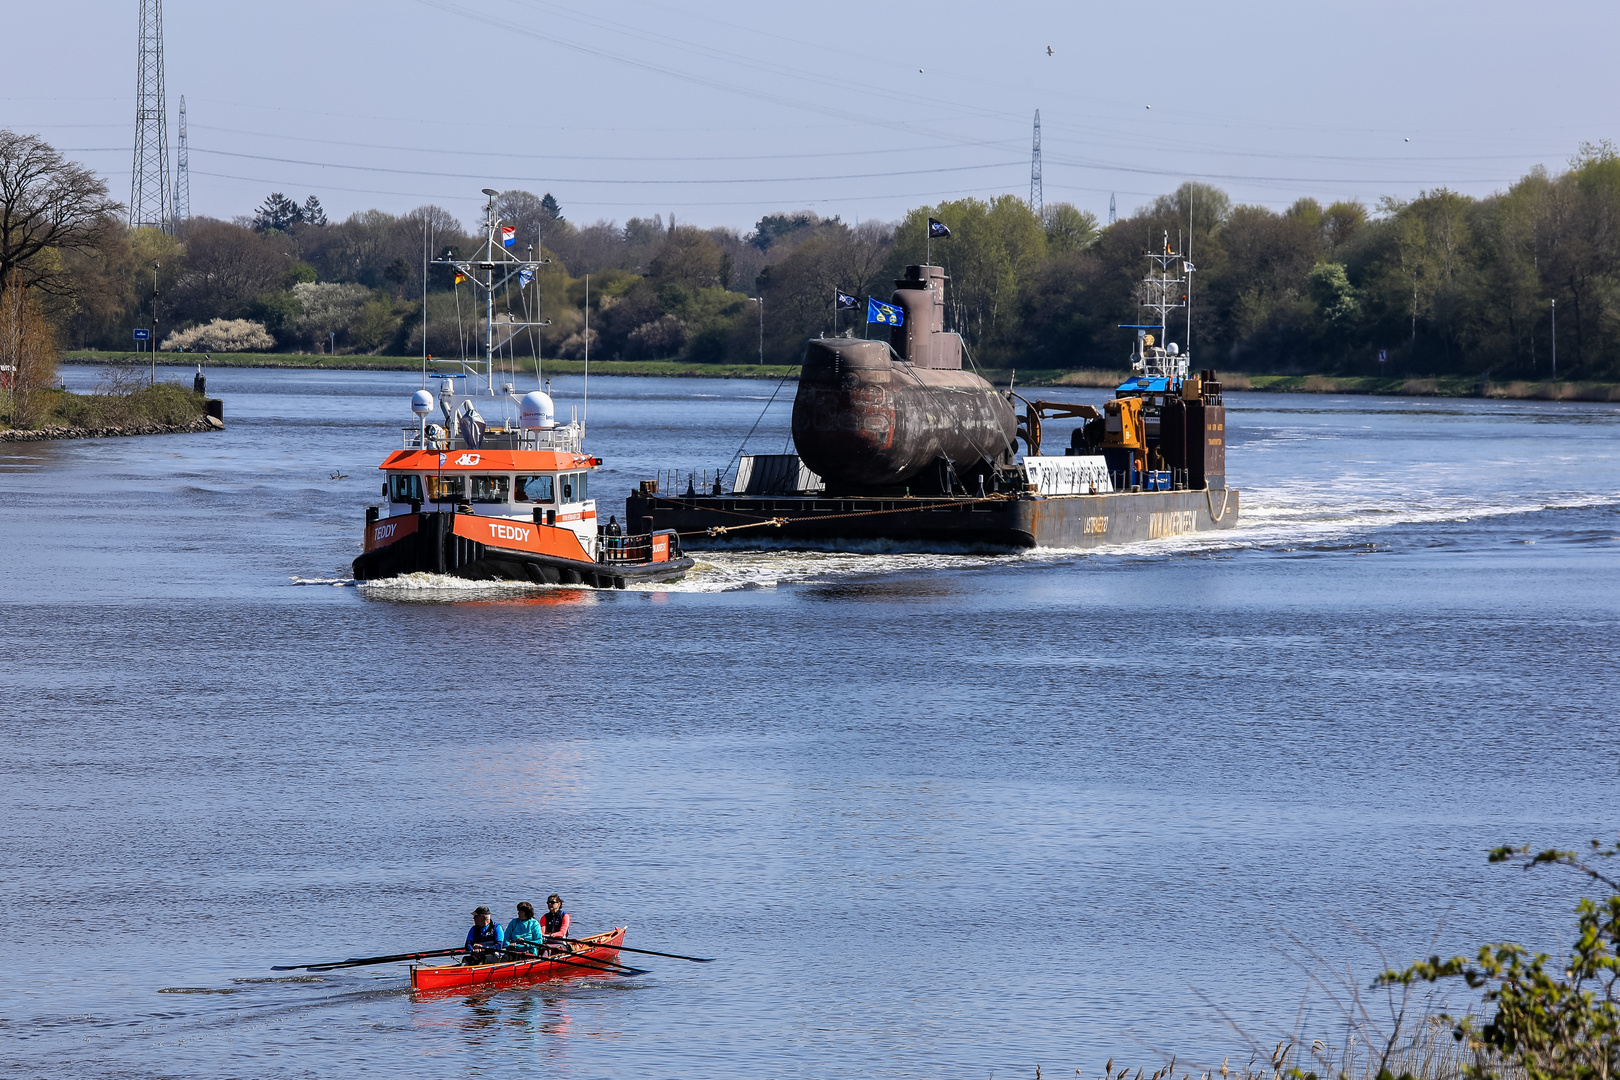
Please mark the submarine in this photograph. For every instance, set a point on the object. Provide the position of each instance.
(896, 442)
(888, 416)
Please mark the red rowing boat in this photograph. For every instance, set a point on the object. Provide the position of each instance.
(603, 946)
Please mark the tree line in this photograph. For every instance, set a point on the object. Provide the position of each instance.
(1444, 283)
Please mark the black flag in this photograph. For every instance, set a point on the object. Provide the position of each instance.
(937, 228)
(843, 301)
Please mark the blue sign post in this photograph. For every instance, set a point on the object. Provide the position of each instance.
(142, 334)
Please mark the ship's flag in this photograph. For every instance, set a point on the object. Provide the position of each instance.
(460, 277)
(887, 314)
(525, 276)
(508, 235)
(842, 300)
(937, 228)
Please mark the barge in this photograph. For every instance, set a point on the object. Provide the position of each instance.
(897, 443)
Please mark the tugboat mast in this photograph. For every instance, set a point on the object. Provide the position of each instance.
(492, 259)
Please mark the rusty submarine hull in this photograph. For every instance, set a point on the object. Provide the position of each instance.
(884, 416)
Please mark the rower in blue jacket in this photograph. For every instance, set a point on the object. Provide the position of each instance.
(485, 941)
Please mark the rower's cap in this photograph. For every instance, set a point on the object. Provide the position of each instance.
(480, 910)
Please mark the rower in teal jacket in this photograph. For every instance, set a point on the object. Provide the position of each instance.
(523, 933)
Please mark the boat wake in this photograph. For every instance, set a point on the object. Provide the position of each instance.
(426, 586)
(766, 568)
(1274, 521)
(1279, 521)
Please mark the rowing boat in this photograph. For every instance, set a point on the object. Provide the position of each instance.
(602, 947)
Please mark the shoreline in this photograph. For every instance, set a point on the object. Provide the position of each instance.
(1463, 386)
(52, 434)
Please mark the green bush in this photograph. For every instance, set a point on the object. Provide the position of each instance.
(1555, 1021)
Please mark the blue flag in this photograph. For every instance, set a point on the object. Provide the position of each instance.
(938, 229)
(879, 312)
(525, 276)
(842, 300)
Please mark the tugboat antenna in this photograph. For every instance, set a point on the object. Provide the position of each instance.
(1186, 265)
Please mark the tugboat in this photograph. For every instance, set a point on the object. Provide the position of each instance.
(898, 443)
(508, 501)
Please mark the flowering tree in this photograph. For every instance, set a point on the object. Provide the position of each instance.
(222, 335)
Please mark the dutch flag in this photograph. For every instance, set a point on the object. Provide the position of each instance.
(508, 235)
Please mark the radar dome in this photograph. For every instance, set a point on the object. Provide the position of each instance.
(536, 411)
(1173, 349)
(421, 403)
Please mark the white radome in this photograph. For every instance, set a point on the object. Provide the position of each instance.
(421, 403)
(536, 411)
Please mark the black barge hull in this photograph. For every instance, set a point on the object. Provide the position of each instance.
(431, 546)
(1058, 521)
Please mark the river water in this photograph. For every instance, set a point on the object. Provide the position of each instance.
(940, 815)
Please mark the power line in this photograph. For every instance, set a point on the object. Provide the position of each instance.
(754, 202)
(462, 174)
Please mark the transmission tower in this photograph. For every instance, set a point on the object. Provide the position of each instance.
(1035, 201)
(182, 174)
(1113, 215)
(149, 183)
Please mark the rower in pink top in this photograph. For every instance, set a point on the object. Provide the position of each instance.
(555, 923)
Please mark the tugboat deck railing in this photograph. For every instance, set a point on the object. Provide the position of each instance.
(568, 438)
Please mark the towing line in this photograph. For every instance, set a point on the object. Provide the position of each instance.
(778, 522)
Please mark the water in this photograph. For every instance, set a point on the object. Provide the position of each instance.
(937, 815)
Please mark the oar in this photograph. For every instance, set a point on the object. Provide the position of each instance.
(358, 961)
(626, 948)
(614, 968)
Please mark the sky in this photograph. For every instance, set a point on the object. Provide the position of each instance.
(720, 112)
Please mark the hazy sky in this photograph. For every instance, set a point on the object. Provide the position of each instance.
(720, 112)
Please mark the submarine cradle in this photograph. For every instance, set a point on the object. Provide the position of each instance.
(899, 444)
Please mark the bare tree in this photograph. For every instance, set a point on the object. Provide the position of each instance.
(27, 353)
(46, 203)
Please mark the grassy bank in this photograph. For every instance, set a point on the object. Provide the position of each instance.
(165, 404)
(1441, 386)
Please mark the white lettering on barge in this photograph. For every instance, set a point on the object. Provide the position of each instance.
(1172, 523)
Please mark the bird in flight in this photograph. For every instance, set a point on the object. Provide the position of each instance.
(1049, 50)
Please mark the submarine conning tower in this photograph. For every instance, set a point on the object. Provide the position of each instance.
(896, 416)
(921, 340)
